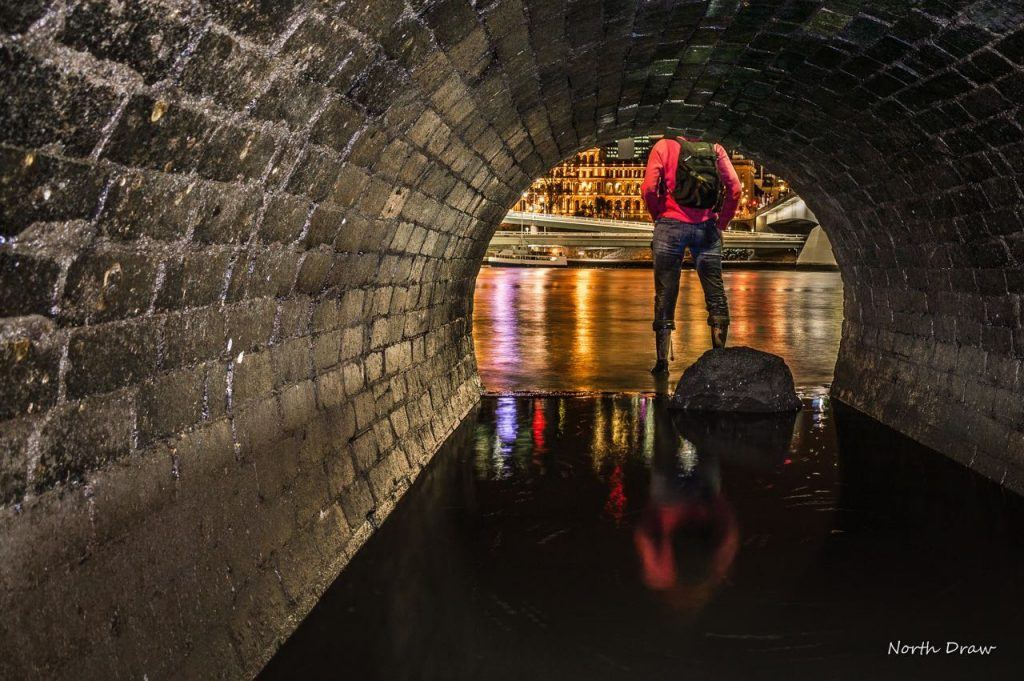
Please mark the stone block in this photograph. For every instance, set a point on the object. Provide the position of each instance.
(354, 234)
(273, 273)
(194, 336)
(293, 317)
(258, 20)
(323, 225)
(292, 101)
(398, 358)
(227, 215)
(326, 350)
(330, 389)
(109, 356)
(357, 503)
(29, 284)
(369, 147)
(256, 424)
(150, 204)
(225, 71)
(352, 343)
(284, 218)
(108, 283)
(196, 280)
(373, 365)
(252, 378)
(337, 126)
(215, 391)
(249, 325)
(35, 187)
(45, 105)
(80, 437)
(234, 153)
(381, 84)
(314, 271)
(348, 186)
(298, 405)
(353, 376)
(135, 33)
(315, 174)
(291, 361)
(322, 50)
(159, 135)
(170, 404)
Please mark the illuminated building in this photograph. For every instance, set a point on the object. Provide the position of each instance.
(746, 171)
(589, 185)
(598, 183)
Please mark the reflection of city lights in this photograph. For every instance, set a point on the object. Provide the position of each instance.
(505, 314)
(539, 424)
(615, 506)
(505, 416)
(566, 329)
(505, 430)
(597, 445)
(648, 434)
(582, 295)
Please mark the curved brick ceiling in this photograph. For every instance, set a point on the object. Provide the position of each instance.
(230, 224)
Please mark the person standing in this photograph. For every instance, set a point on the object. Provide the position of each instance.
(691, 191)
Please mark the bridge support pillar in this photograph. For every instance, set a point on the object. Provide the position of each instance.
(817, 250)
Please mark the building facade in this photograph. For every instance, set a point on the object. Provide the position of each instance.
(598, 183)
(589, 185)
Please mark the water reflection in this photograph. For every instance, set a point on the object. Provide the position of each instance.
(590, 329)
(688, 536)
(605, 538)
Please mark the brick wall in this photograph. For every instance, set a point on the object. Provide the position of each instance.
(240, 240)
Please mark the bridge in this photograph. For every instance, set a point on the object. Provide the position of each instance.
(791, 213)
(576, 224)
(580, 239)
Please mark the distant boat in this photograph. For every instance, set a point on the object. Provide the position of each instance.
(508, 258)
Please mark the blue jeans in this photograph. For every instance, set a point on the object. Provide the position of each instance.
(671, 239)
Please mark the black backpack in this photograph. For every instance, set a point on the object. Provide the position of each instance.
(697, 181)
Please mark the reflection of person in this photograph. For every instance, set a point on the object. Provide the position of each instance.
(683, 188)
(687, 538)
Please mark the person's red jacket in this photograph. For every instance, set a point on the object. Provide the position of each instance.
(664, 158)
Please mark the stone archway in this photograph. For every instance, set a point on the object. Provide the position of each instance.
(236, 229)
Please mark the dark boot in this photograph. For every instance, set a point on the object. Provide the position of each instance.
(719, 333)
(663, 344)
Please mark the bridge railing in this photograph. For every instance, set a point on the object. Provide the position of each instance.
(522, 216)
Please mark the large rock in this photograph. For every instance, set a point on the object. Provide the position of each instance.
(737, 380)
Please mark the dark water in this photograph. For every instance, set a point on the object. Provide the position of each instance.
(592, 538)
(590, 329)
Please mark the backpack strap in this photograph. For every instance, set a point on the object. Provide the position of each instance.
(689, 170)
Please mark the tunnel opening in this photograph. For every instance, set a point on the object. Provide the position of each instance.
(564, 300)
(233, 230)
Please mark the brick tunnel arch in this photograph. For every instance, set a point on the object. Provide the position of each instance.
(234, 230)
